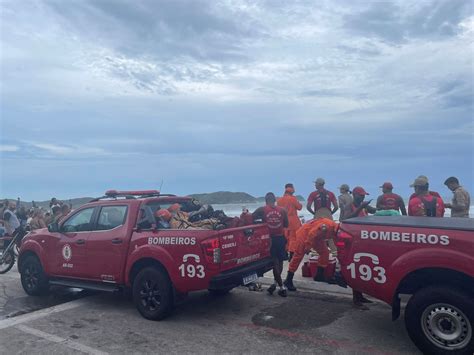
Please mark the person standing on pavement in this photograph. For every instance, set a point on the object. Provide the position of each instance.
(320, 201)
(359, 208)
(461, 201)
(312, 235)
(424, 204)
(276, 219)
(390, 201)
(345, 199)
(291, 204)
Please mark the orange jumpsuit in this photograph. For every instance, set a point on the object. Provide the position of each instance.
(292, 206)
(310, 236)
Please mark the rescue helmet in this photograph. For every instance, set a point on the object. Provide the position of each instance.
(175, 207)
(163, 214)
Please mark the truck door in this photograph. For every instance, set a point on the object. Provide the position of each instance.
(107, 244)
(70, 245)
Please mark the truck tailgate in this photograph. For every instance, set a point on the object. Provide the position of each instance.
(243, 245)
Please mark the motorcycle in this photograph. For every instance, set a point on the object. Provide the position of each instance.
(10, 248)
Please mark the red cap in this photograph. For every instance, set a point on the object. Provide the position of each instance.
(387, 185)
(359, 191)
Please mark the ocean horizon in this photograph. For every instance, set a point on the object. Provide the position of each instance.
(235, 209)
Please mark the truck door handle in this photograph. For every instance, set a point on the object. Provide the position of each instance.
(80, 241)
(117, 241)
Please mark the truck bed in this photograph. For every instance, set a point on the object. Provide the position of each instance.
(452, 223)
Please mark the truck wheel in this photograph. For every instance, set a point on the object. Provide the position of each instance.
(152, 293)
(440, 320)
(33, 278)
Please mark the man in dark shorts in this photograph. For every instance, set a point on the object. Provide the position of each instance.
(276, 219)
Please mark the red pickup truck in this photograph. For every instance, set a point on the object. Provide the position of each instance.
(113, 243)
(431, 259)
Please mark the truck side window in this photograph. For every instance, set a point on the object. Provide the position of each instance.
(79, 222)
(111, 217)
(145, 218)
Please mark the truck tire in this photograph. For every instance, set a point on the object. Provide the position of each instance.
(33, 279)
(152, 293)
(440, 320)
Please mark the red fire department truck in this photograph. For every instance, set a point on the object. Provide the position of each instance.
(431, 259)
(113, 242)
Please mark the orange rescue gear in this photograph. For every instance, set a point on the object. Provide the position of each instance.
(313, 235)
(292, 206)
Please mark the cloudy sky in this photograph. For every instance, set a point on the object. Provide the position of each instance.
(233, 95)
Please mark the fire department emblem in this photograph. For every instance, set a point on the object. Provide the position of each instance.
(67, 252)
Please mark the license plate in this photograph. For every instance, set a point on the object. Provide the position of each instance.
(250, 278)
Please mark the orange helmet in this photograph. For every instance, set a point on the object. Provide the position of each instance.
(174, 207)
(163, 214)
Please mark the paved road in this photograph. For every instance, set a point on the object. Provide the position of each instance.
(241, 322)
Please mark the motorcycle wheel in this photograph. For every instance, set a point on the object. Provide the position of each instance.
(6, 261)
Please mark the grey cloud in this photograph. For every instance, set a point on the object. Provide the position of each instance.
(456, 93)
(334, 93)
(160, 29)
(388, 21)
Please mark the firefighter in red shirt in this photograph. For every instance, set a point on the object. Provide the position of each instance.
(424, 204)
(322, 200)
(312, 235)
(432, 193)
(389, 200)
(291, 204)
(276, 219)
(359, 208)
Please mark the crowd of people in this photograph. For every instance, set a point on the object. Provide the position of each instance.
(291, 239)
(13, 215)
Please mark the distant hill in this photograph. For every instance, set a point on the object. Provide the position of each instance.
(222, 197)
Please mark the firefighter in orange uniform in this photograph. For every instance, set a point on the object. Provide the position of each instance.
(291, 204)
(312, 235)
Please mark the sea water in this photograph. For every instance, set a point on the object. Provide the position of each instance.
(235, 209)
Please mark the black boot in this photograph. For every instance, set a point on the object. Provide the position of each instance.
(289, 281)
(319, 274)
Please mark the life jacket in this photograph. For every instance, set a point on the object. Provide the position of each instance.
(273, 217)
(362, 212)
(430, 206)
(322, 200)
(391, 201)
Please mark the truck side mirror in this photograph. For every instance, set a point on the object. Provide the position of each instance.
(53, 227)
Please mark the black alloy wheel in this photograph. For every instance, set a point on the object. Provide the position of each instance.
(152, 293)
(33, 279)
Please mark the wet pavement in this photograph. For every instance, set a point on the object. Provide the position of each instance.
(14, 301)
(314, 320)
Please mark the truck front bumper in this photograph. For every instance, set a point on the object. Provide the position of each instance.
(234, 277)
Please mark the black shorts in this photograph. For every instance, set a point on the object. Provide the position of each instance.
(277, 250)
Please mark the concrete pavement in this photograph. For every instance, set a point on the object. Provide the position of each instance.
(307, 321)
